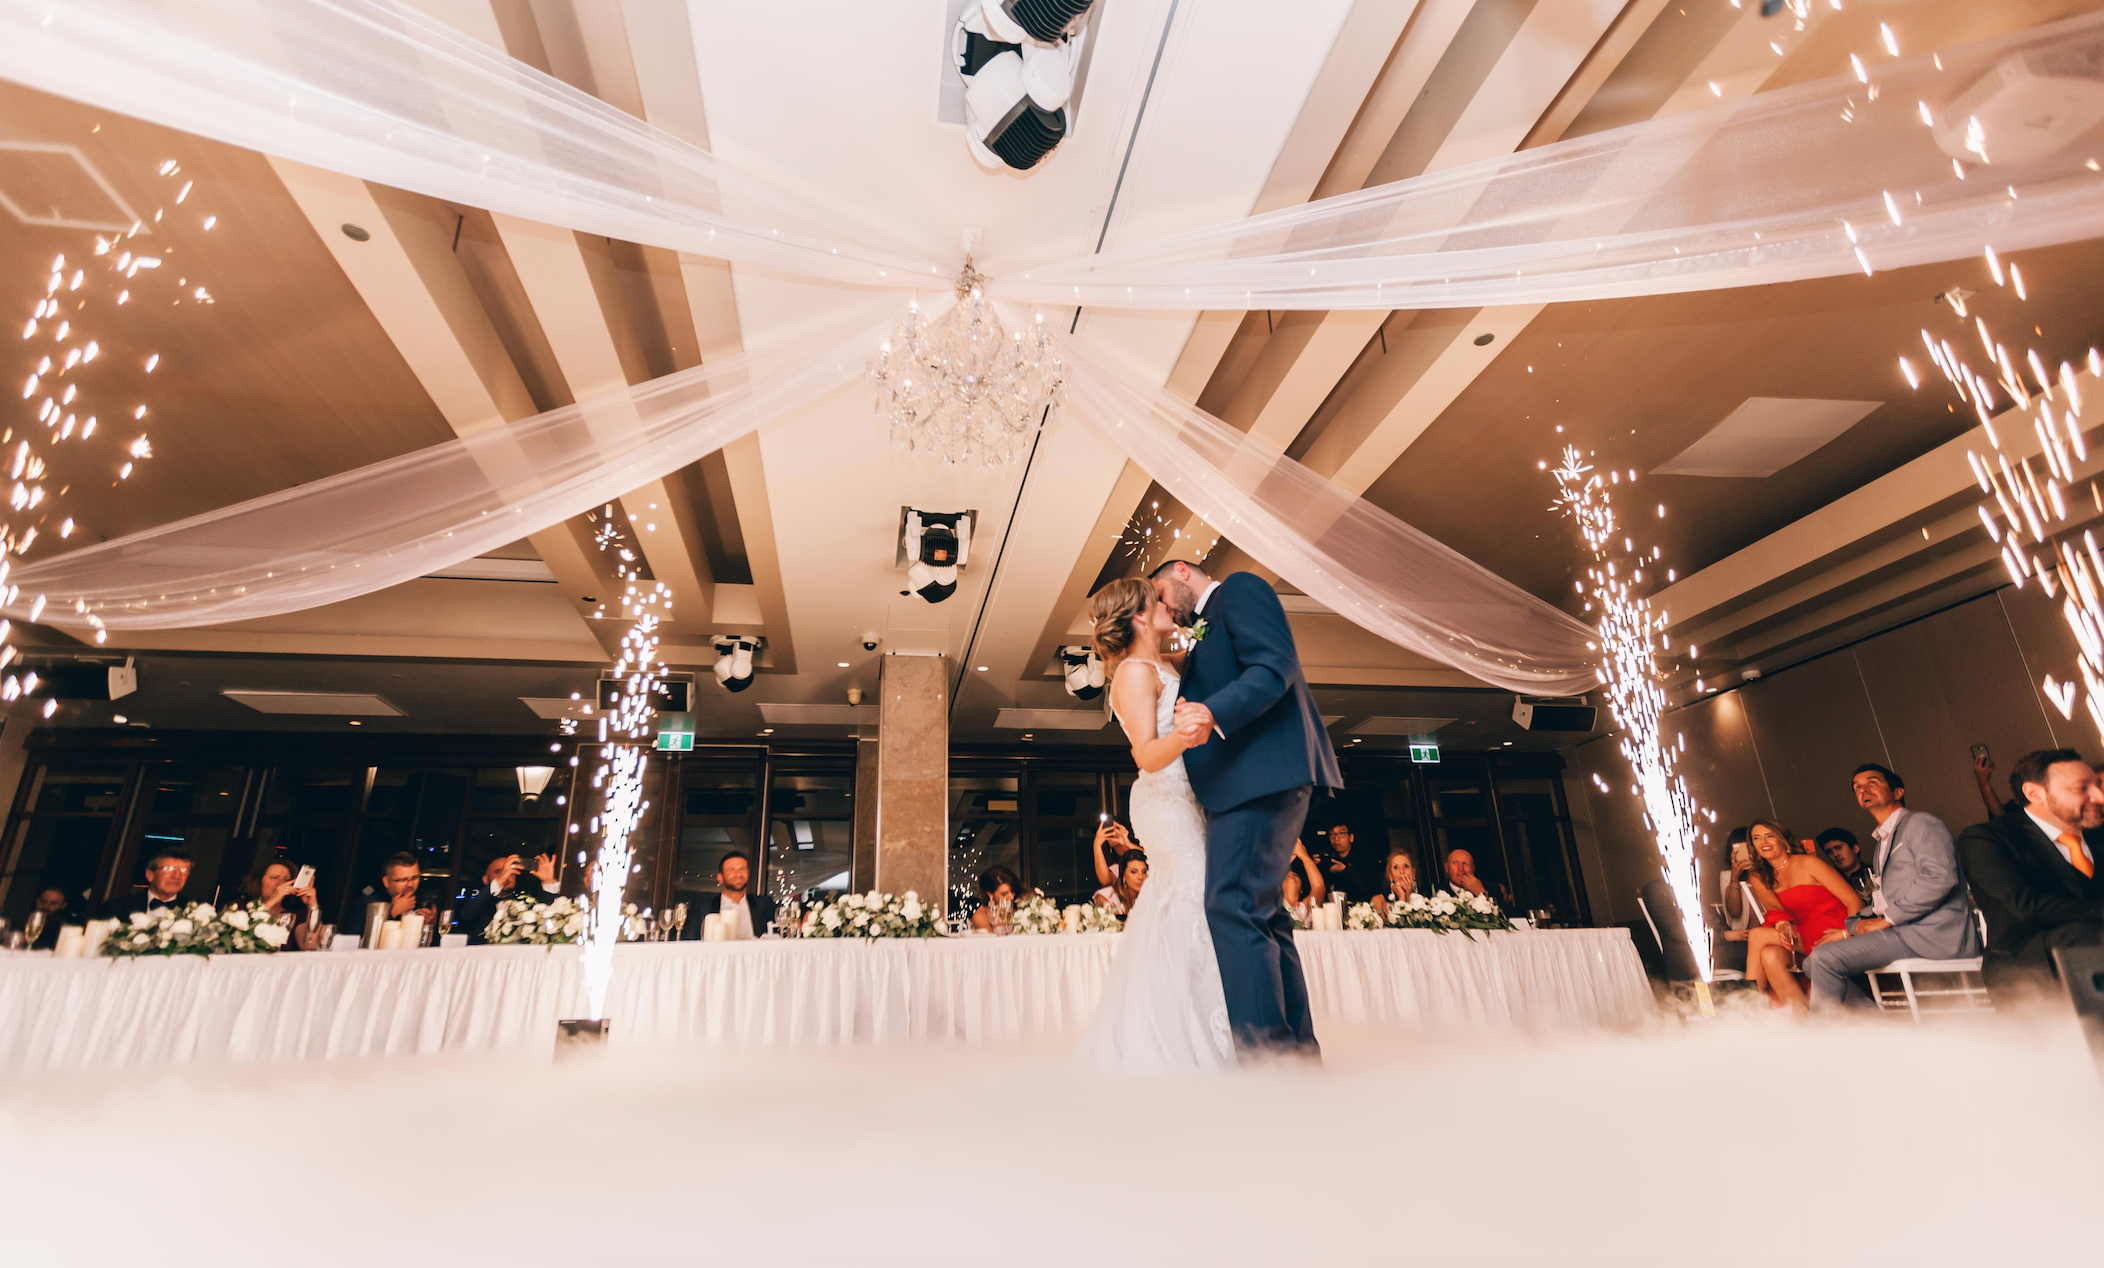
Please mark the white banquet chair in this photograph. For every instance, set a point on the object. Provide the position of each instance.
(1967, 997)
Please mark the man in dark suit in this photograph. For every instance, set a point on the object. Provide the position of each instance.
(167, 871)
(745, 914)
(1258, 749)
(2034, 871)
(500, 880)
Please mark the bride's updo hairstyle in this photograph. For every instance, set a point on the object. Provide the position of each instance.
(1114, 610)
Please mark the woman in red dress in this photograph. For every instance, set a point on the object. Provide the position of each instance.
(1807, 901)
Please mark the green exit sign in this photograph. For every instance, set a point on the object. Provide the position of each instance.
(1424, 752)
(676, 742)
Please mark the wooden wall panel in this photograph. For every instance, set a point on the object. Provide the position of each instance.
(2042, 636)
(1813, 724)
(1943, 684)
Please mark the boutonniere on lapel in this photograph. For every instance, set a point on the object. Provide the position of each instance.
(1198, 631)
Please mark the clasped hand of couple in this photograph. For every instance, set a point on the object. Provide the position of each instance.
(1193, 723)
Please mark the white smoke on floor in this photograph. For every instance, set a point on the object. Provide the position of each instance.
(1738, 1141)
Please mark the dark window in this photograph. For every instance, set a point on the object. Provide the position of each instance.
(306, 820)
(811, 832)
(719, 813)
(1063, 832)
(1537, 838)
(984, 832)
(65, 836)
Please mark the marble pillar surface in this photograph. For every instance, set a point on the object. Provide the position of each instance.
(863, 875)
(913, 776)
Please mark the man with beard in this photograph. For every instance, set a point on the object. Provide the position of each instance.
(2034, 872)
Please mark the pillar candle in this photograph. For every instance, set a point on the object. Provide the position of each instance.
(72, 942)
(98, 933)
(1072, 915)
(412, 931)
(712, 928)
(390, 935)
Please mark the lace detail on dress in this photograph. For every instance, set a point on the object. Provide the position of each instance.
(1163, 1007)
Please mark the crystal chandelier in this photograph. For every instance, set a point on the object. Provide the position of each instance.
(961, 387)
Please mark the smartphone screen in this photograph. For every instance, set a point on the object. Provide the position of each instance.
(304, 878)
(1979, 751)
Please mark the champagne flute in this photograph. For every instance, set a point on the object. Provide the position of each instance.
(679, 920)
(32, 929)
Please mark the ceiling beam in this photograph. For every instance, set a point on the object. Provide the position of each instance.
(415, 288)
(1374, 70)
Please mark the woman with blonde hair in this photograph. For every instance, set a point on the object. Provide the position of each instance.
(1808, 903)
(1163, 1007)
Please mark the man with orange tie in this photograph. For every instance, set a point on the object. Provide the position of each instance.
(2034, 871)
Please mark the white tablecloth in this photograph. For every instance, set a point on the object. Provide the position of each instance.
(74, 1013)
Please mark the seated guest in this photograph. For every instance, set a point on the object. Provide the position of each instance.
(2034, 872)
(1354, 874)
(1461, 874)
(1808, 904)
(167, 871)
(400, 885)
(1113, 842)
(1918, 894)
(270, 894)
(1838, 846)
(1120, 895)
(52, 903)
(1303, 881)
(500, 881)
(998, 890)
(745, 914)
(1402, 881)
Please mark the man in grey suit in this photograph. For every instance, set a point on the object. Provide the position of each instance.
(1923, 909)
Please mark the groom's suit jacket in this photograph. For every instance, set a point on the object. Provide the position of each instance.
(1247, 672)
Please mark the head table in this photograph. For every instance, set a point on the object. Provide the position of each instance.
(94, 1012)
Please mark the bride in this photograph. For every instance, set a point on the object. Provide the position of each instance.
(1163, 1008)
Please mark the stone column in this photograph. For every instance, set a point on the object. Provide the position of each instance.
(863, 875)
(913, 776)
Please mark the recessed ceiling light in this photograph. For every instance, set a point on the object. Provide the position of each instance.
(1029, 737)
(843, 664)
(982, 669)
(767, 730)
(120, 719)
(356, 722)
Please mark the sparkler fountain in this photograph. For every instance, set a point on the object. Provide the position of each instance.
(624, 737)
(1631, 636)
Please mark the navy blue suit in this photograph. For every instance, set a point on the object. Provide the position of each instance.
(1254, 778)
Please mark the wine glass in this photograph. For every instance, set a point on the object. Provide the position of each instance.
(1003, 918)
(666, 920)
(679, 919)
(32, 929)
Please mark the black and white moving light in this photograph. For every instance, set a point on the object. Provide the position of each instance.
(1083, 672)
(1017, 59)
(937, 544)
(734, 660)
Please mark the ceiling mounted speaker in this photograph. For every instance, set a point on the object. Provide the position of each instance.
(1045, 21)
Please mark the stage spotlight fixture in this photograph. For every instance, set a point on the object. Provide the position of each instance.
(734, 660)
(935, 545)
(1017, 60)
(1083, 672)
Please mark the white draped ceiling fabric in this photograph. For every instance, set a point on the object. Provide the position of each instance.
(1811, 181)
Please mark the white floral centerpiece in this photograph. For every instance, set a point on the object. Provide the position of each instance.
(1035, 913)
(874, 915)
(1097, 918)
(522, 920)
(195, 929)
(1440, 912)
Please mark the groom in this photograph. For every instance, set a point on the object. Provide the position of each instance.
(1257, 747)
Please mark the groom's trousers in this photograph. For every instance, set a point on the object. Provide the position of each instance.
(1247, 852)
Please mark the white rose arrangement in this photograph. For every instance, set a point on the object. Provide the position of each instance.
(1035, 913)
(196, 929)
(522, 920)
(874, 915)
(1097, 918)
(1442, 911)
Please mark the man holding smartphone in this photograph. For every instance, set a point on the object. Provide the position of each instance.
(401, 883)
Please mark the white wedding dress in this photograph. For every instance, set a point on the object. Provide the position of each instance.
(1163, 1008)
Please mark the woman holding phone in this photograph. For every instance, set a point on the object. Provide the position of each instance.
(276, 892)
